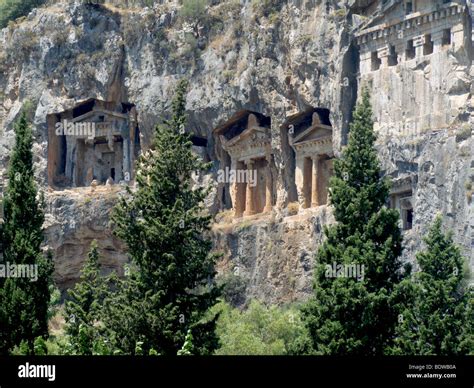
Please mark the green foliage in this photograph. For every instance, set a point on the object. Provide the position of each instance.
(233, 289)
(82, 312)
(171, 285)
(40, 348)
(187, 348)
(139, 348)
(20, 350)
(193, 10)
(349, 315)
(54, 302)
(438, 318)
(267, 8)
(260, 330)
(58, 345)
(13, 9)
(190, 49)
(24, 301)
(463, 133)
(29, 109)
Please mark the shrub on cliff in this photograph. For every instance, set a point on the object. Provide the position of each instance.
(194, 12)
(353, 310)
(193, 9)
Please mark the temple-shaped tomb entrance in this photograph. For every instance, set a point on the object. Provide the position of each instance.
(247, 167)
(310, 136)
(95, 140)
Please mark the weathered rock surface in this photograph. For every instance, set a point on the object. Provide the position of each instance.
(74, 219)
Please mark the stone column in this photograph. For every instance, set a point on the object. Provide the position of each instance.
(365, 61)
(314, 182)
(249, 205)
(132, 127)
(126, 161)
(70, 145)
(239, 191)
(268, 186)
(70, 158)
(418, 43)
(299, 178)
(458, 35)
(382, 54)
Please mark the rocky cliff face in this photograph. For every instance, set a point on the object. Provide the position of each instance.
(277, 60)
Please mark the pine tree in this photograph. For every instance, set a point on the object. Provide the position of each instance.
(349, 315)
(24, 301)
(164, 225)
(440, 318)
(82, 312)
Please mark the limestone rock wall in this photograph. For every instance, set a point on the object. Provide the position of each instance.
(423, 111)
(74, 219)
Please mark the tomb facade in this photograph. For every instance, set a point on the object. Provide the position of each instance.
(403, 30)
(416, 40)
(247, 142)
(95, 140)
(311, 140)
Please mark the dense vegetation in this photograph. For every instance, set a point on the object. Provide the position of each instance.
(13, 9)
(260, 330)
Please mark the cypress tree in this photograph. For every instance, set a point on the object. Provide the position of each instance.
(164, 224)
(25, 301)
(440, 318)
(357, 315)
(4, 329)
(83, 309)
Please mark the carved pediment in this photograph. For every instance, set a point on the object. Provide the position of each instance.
(93, 115)
(316, 138)
(313, 134)
(252, 136)
(316, 132)
(255, 142)
(249, 136)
